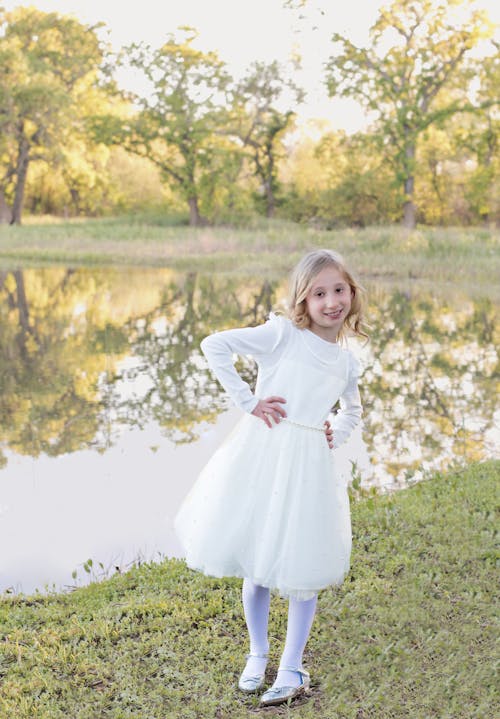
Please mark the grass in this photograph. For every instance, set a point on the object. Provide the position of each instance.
(389, 254)
(410, 633)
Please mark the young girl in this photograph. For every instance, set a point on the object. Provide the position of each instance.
(268, 506)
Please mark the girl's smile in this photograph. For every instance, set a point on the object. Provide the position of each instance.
(328, 303)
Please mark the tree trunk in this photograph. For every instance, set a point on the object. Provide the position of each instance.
(270, 201)
(409, 209)
(408, 162)
(268, 181)
(491, 146)
(5, 211)
(409, 214)
(265, 173)
(75, 199)
(195, 219)
(21, 174)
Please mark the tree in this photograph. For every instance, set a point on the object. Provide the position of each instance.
(178, 123)
(337, 180)
(415, 74)
(48, 62)
(440, 166)
(483, 141)
(258, 123)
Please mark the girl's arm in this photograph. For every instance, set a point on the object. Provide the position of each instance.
(257, 342)
(349, 415)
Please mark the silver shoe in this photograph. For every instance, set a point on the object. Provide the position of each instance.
(283, 694)
(250, 683)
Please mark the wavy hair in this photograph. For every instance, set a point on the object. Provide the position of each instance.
(301, 281)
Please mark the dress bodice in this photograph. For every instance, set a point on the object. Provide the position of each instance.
(308, 371)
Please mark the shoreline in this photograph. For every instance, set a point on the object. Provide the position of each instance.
(386, 255)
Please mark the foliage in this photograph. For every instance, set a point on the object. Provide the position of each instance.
(410, 632)
(209, 148)
(261, 126)
(179, 121)
(51, 70)
(482, 140)
(415, 74)
(339, 180)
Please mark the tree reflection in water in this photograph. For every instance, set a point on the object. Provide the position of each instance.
(429, 382)
(181, 392)
(87, 353)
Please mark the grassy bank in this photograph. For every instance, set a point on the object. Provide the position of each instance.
(388, 254)
(409, 633)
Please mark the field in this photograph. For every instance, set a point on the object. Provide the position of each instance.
(448, 257)
(410, 633)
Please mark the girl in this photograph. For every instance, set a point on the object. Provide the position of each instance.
(268, 506)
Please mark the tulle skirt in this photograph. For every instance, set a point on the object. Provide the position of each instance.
(269, 506)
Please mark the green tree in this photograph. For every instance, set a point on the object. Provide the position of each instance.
(48, 63)
(441, 163)
(359, 180)
(482, 140)
(179, 123)
(338, 180)
(260, 125)
(415, 73)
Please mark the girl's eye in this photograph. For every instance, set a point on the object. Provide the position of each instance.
(340, 289)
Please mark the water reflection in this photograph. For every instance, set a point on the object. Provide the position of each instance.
(89, 357)
(429, 383)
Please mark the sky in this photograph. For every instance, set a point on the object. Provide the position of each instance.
(243, 31)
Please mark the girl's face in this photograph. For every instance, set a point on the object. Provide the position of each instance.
(328, 303)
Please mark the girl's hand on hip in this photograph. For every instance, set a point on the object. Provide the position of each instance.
(269, 407)
(329, 434)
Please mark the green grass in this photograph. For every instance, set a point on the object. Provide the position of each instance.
(464, 256)
(410, 633)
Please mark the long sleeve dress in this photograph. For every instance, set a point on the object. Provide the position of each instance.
(269, 504)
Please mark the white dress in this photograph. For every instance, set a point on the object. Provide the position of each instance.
(269, 505)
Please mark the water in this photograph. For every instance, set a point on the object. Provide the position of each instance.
(108, 412)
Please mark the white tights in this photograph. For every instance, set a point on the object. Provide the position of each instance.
(256, 602)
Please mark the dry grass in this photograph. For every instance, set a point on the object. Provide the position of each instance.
(456, 256)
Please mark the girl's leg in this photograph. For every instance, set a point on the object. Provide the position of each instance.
(300, 619)
(256, 601)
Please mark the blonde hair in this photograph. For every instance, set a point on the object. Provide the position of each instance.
(301, 281)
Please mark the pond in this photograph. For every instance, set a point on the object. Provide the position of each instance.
(108, 410)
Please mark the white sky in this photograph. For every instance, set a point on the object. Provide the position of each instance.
(243, 31)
